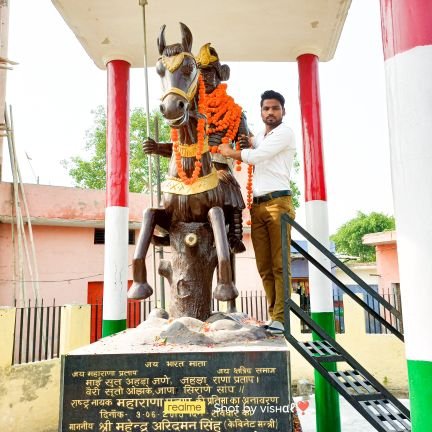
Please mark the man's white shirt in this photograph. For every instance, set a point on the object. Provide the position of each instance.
(273, 156)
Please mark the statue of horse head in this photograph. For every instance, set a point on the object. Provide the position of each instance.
(179, 74)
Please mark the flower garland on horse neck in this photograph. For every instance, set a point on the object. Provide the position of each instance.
(200, 140)
(223, 114)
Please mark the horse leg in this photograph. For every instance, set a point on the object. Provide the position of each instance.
(235, 232)
(140, 288)
(231, 304)
(225, 289)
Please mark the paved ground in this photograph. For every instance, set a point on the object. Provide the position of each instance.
(351, 420)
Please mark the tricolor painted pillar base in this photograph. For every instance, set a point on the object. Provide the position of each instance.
(321, 291)
(326, 397)
(117, 193)
(407, 41)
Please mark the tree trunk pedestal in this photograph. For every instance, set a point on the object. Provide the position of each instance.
(190, 270)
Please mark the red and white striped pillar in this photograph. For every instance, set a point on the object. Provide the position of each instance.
(321, 291)
(117, 199)
(407, 40)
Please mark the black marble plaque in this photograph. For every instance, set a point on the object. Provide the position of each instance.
(201, 391)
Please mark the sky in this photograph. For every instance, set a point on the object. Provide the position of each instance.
(56, 86)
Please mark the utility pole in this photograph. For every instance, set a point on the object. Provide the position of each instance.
(4, 33)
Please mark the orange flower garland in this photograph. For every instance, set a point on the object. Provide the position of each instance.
(249, 182)
(223, 114)
(238, 162)
(200, 140)
(249, 191)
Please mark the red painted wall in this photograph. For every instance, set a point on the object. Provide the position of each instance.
(67, 260)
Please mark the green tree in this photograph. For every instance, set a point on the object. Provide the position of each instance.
(294, 188)
(91, 173)
(348, 238)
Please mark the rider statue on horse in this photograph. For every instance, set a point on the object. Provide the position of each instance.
(200, 195)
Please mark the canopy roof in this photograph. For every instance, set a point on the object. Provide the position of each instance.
(240, 30)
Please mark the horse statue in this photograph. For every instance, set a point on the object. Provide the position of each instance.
(195, 195)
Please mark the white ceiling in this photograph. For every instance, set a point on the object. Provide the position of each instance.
(240, 30)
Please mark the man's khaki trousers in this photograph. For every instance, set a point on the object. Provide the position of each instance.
(267, 243)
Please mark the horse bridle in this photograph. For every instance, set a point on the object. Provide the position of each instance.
(172, 64)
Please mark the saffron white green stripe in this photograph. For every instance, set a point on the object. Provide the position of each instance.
(110, 327)
(327, 401)
(420, 385)
(321, 294)
(409, 90)
(116, 264)
(117, 187)
(321, 300)
(409, 95)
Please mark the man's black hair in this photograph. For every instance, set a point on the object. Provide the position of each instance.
(271, 94)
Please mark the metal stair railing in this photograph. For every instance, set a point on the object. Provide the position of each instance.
(285, 219)
(364, 392)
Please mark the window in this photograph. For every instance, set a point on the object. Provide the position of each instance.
(393, 296)
(301, 287)
(131, 237)
(99, 236)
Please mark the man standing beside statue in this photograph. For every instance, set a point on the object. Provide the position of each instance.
(272, 154)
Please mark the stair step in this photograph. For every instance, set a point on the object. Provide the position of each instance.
(390, 417)
(355, 383)
(321, 350)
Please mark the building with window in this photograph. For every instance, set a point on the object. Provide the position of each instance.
(68, 240)
(387, 269)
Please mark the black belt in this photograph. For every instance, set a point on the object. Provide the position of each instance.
(270, 196)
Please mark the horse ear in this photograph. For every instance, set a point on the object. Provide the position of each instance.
(224, 72)
(186, 37)
(161, 40)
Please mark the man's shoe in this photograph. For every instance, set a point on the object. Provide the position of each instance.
(267, 324)
(276, 328)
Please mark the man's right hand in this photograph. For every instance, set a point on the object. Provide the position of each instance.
(245, 142)
(150, 146)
